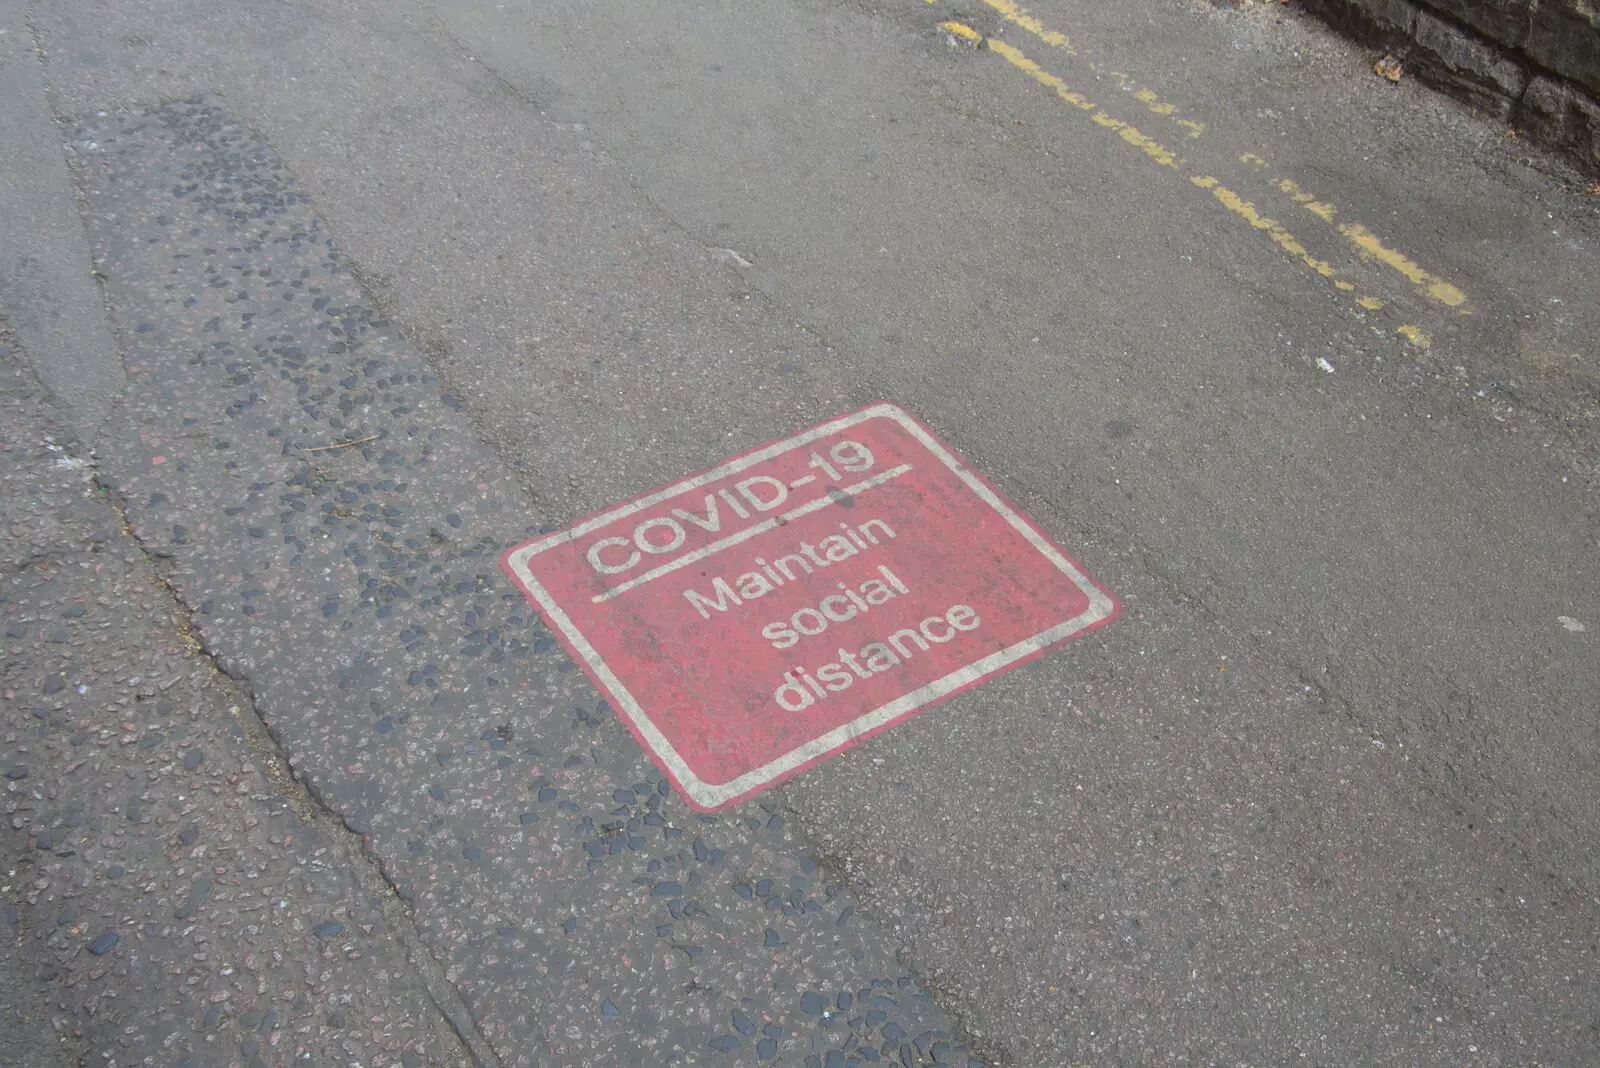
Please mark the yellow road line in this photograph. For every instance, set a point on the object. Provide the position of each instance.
(1149, 99)
(1287, 241)
(963, 31)
(1290, 187)
(1148, 145)
(1157, 152)
(1143, 142)
(1415, 336)
(1367, 243)
(1435, 287)
(1040, 75)
(1020, 16)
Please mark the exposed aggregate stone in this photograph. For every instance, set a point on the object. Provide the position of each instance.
(159, 883)
(335, 527)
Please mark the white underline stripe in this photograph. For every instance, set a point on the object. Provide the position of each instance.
(744, 535)
(777, 448)
(689, 558)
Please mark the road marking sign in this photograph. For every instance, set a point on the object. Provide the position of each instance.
(754, 619)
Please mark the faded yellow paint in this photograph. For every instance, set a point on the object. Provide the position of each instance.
(1284, 239)
(1148, 98)
(1368, 243)
(1153, 102)
(1306, 200)
(1148, 145)
(1415, 336)
(1019, 16)
(1548, 360)
(962, 30)
(1436, 288)
(1040, 75)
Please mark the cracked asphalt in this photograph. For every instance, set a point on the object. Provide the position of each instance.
(311, 312)
(181, 899)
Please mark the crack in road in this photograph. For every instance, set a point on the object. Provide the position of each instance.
(313, 808)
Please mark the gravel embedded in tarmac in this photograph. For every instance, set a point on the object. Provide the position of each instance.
(167, 906)
(1323, 793)
(329, 515)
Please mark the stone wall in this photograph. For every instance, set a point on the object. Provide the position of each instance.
(1532, 63)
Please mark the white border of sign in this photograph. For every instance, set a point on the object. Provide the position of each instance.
(707, 796)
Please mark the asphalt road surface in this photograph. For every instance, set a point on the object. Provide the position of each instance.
(342, 300)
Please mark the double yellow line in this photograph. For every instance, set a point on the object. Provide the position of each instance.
(1364, 241)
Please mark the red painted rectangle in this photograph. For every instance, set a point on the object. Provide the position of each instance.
(756, 618)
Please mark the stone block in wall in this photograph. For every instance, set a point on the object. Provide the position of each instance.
(1465, 64)
(1398, 16)
(1586, 130)
(1564, 37)
(1555, 114)
(1504, 21)
(1377, 21)
(1485, 52)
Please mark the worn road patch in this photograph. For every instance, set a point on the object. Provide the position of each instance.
(333, 524)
